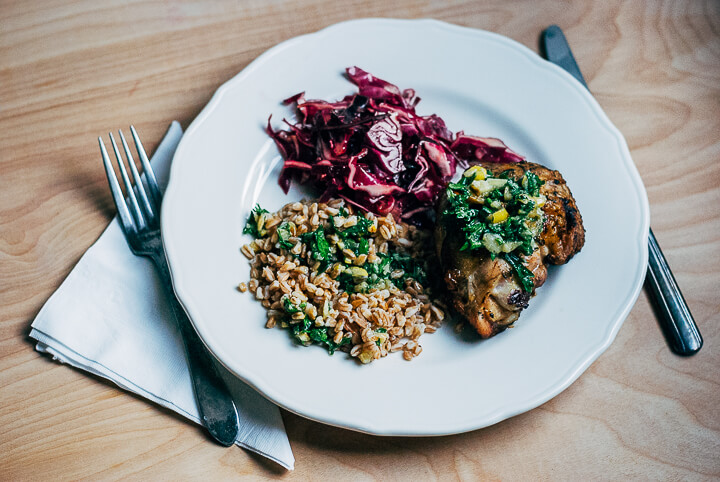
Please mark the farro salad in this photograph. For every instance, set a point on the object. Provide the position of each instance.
(344, 279)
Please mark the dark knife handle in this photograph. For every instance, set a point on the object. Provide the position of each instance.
(555, 48)
(674, 315)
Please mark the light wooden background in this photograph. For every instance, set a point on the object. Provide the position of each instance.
(71, 70)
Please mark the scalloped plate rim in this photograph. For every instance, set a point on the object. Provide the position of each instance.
(563, 381)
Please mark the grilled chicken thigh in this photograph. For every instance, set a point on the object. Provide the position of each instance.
(488, 292)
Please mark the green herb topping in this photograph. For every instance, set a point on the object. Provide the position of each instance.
(285, 231)
(500, 214)
(255, 224)
(304, 331)
(318, 244)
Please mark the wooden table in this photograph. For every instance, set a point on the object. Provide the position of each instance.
(72, 70)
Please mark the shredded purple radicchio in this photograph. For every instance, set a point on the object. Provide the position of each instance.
(373, 150)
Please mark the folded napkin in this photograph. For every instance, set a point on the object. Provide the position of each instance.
(110, 317)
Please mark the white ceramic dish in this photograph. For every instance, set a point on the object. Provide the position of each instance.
(478, 81)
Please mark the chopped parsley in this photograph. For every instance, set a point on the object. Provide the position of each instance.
(532, 183)
(361, 228)
(524, 274)
(354, 238)
(318, 244)
(411, 267)
(284, 232)
(305, 332)
(254, 226)
(499, 214)
(291, 309)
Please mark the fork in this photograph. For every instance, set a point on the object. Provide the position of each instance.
(140, 220)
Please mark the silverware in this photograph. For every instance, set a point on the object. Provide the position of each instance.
(140, 220)
(675, 318)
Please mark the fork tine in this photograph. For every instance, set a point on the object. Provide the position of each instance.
(149, 173)
(125, 217)
(134, 206)
(150, 215)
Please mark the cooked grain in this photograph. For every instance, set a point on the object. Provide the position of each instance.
(377, 322)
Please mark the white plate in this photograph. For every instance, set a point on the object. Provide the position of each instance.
(478, 81)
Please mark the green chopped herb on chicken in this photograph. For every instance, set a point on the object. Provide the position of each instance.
(499, 226)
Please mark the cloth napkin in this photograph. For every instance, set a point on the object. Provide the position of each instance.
(110, 317)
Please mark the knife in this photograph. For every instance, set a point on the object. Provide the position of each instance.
(674, 315)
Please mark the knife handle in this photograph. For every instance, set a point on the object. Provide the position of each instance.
(555, 48)
(673, 313)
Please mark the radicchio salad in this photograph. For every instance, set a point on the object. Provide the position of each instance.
(374, 151)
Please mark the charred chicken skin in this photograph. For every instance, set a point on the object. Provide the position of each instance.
(495, 239)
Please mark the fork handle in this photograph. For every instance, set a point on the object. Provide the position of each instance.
(217, 409)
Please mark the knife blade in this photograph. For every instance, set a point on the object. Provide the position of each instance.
(674, 315)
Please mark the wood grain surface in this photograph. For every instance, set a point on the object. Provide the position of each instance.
(71, 70)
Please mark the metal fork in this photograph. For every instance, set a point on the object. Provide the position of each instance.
(139, 215)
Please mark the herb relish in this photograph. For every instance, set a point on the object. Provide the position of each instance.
(501, 214)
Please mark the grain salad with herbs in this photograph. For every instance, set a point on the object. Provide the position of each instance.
(344, 279)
